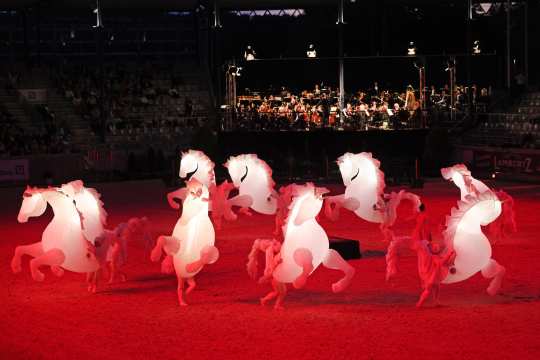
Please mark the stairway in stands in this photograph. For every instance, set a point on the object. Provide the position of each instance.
(82, 137)
(11, 102)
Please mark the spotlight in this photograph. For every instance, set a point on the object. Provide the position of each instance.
(311, 52)
(234, 70)
(411, 50)
(144, 37)
(249, 53)
(476, 47)
(72, 34)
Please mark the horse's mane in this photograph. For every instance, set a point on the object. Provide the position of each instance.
(297, 192)
(457, 213)
(78, 186)
(260, 162)
(376, 164)
(202, 156)
(460, 168)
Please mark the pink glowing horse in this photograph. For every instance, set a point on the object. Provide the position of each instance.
(68, 241)
(191, 245)
(304, 248)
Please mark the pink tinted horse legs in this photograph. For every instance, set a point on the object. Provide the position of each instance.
(334, 261)
(34, 250)
(51, 258)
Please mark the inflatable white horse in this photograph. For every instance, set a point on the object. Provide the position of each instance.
(461, 176)
(67, 242)
(364, 191)
(305, 247)
(364, 187)
(191, 244)
(253, 178)
(464, 235)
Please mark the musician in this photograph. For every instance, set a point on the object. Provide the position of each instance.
(324, 105)
(410, 99)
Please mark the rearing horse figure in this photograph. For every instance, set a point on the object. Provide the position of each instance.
(63, 244)
(191, 244)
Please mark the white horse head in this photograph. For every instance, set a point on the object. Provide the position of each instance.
(33, 204)
(195, 164)
(461, 176)
(464, 234)
(302, 231)
(363, 181)
(87, 201)
(253, 177)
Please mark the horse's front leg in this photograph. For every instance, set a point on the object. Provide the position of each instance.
(209, 255)
(334, 261)
(34, 250)
(495, 272)
(53, 257)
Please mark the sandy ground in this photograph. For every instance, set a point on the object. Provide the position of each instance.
(58, 319)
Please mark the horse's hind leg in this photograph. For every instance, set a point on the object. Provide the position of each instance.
(304, 259)
(52, 257)
(34, 250)
(495, 272)
(334, 261)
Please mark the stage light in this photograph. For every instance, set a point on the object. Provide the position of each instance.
(72, 34)
(144, 37)
(411, 50)
(476, 47)
(311, 52)
(249, 53)
(97, 11)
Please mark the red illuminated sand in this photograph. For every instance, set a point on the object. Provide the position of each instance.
(58, 319)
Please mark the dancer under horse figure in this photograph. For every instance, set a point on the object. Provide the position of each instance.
(253, 178)
(466, 250)
(63, 244)
(111, 249)
(304, 248)
(191, 244)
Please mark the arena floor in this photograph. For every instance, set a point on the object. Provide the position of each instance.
(59, 319)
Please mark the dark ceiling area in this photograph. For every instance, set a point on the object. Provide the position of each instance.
(185, 4)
